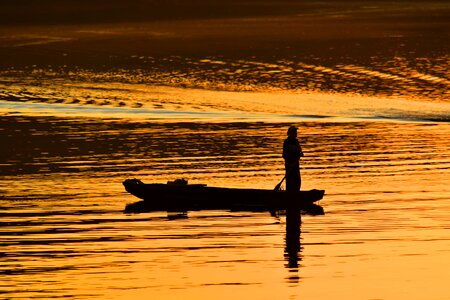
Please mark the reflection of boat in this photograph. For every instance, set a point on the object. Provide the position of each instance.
(186, 197)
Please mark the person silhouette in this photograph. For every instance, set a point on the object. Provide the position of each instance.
(292, 152)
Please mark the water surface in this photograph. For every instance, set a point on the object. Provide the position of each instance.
(64, 232)
(206, 93)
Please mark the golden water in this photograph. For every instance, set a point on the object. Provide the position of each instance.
(96, 93)
(63, 233)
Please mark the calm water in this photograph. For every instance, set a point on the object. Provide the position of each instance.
(64, 233)
(209, 98)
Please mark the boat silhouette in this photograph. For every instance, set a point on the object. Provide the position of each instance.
(183, 197)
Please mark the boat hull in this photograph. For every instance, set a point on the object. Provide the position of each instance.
(179, 198)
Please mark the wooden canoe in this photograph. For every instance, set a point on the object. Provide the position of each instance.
(188, 197)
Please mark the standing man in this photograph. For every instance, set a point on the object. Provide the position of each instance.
(291, 154)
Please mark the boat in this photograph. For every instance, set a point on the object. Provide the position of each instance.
(179, 196)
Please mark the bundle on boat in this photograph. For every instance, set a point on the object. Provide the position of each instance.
(179, 196)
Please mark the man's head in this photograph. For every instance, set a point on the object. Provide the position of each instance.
(292, 132)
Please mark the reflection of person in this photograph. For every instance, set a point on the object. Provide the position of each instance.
(291, 154)
(293, 245)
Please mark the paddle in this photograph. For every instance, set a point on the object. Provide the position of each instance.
(278, 186)
(291, 169)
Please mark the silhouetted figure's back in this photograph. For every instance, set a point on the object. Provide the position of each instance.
(291, 154)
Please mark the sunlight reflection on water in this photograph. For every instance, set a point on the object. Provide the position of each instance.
(64, 231)
(207, 94)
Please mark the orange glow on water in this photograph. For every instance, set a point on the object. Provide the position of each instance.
(383, 233)
(90, 96)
